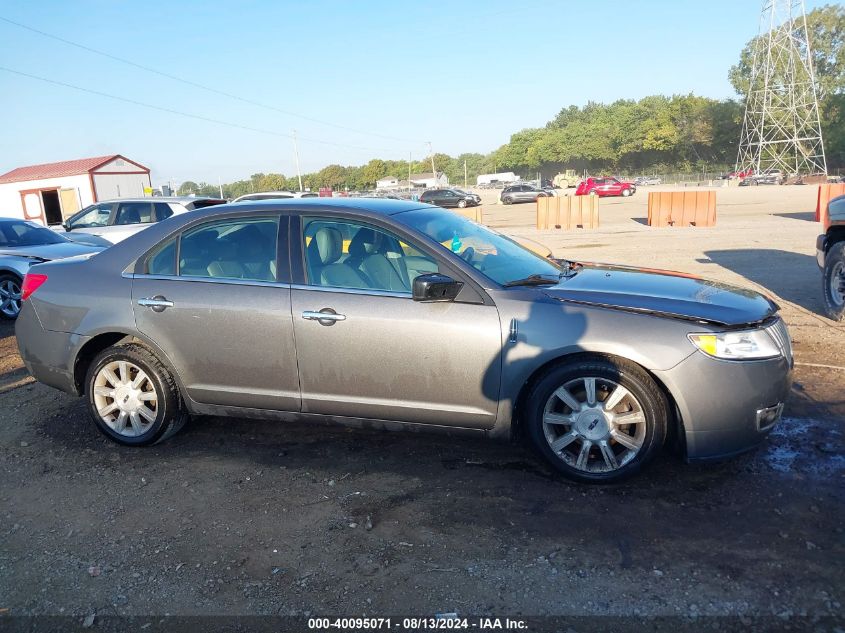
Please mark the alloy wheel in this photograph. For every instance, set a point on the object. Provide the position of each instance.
(125, 398)
(837, 284)
(10, 298)
(594, 424)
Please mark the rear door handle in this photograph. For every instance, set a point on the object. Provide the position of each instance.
(157, 303)
(329, 317)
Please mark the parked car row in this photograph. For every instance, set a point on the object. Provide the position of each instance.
(270, 309)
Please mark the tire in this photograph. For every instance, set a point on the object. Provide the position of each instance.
(833, 282)
(507, 200)
(161, 421)
(10, 296)
(592, 192)
(626, 193)
(462, 204)
(549, 420)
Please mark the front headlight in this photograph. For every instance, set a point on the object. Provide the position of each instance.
(744, 345)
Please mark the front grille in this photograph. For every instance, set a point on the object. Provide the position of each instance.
(780, 335)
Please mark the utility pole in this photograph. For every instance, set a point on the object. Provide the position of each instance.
(782, 128)
(433, 170)
(220, 186)
(296, 154)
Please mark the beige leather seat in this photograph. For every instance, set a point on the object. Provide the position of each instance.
(323, 255)
(370, 253)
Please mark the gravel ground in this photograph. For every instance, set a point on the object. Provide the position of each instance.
(245, 517)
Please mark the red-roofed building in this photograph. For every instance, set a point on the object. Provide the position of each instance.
(52, 192)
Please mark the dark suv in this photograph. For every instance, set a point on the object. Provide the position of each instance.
(830, 253)
(522, 193)
(449, 198)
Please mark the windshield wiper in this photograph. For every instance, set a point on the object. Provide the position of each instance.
(533, 280)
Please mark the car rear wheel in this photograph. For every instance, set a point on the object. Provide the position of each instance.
(596, 420)
(833, 278)
(10, 296)
(132, 397)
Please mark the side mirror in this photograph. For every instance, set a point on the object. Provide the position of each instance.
(436, 287)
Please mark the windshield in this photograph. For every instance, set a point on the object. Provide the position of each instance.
(22, 233)
(498, 257)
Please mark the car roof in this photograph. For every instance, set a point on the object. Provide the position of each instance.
(381, 206)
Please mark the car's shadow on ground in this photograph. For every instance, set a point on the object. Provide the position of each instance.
(807, 216)
(769, 268)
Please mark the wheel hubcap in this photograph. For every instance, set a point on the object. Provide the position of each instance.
(125, 398)
(837, 284)
(594, 424)
(10, 298)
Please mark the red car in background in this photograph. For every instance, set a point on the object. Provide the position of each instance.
(605, 187)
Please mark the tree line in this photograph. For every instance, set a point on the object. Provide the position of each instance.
(655, 134)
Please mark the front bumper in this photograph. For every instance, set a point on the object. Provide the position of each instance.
(727, 407)
(821, 246)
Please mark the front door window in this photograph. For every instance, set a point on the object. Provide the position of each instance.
(345, 254)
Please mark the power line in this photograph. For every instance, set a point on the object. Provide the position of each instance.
(189, 115)
(202, 86)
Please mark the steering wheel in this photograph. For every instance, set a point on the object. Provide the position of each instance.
(468, 254)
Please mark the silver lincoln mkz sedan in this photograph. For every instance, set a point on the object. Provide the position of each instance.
(398, 314)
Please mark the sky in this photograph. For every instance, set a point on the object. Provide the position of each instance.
(356, 80)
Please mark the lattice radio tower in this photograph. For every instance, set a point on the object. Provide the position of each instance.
(782, 129)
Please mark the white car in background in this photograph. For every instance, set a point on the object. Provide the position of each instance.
(115, 220)
(276, 195)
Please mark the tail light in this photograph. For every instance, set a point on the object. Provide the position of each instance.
(31, 283)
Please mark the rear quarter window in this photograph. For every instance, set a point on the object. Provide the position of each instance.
(163, 259)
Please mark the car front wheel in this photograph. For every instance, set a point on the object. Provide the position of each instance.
(132, 397)
(596, 420)
(507, 200)
(626, 192)
(10, 296)
(462, 204)
(833, 278)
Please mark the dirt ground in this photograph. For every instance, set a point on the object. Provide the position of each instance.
(245, 517)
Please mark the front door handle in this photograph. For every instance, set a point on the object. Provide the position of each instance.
(156, 304)
(326, 316)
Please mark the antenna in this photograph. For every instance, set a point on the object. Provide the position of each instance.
(781, 129)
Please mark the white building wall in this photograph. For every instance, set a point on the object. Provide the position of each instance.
(10, 196)
(110, 186)
(118, 164)
(486, 179)
(387, 183)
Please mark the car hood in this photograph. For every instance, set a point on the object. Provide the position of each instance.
(51, 251)
(663, 292)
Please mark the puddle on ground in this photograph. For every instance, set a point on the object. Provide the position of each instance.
(806, 446)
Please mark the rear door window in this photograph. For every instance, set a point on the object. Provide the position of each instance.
(134, 213)
(231, 249)
(162, 211)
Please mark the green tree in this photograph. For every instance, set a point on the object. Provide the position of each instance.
(826, 28)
